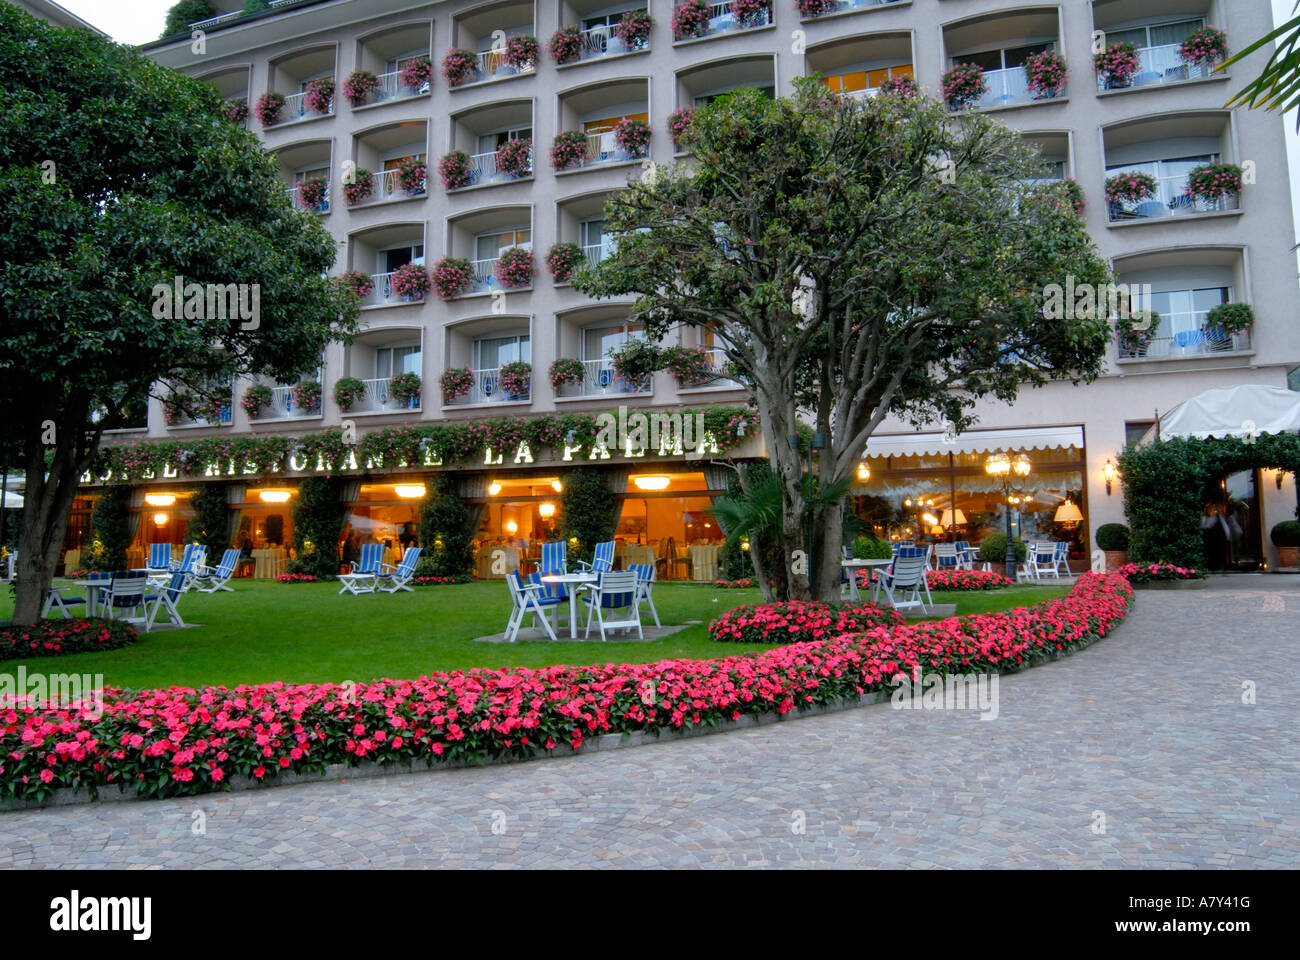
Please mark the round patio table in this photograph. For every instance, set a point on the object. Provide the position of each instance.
(853, 566)
(576, 579)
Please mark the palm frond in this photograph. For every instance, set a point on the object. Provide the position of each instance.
(1278, 86)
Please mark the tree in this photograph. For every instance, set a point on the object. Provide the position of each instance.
(118, 176)
(855, 259)
(588, 512)
(211, 520)
(182, 14)
(446, 531)
(317, 524)
(1278, 85)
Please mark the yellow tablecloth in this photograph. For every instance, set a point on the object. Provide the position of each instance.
(634, 553)
(269, 562)
(484, 566)
(71, 561)
(704, 562)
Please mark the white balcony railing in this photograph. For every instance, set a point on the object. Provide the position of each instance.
(383, 294)
(600, 41)
(391, 88)
(483, 169)
(225, 18)
(1192, 339)
(378, 399)
(1158, 65)
(491, 65)
(294, 193)
(1171, 200)
(722, 20)
(283, 406)
(1007, 88)
(388, 186)
(597, 252)
(603, 148)
(295, 109)
(600, 380)
(487, 389)
(485, 273)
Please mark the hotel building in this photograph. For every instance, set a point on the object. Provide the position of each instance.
(1167, 119)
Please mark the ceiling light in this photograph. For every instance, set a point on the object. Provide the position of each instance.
(159, 499)
(547, 510)
(652, 483)
(557, 486)
(160, 519)
(494, 489)
(274, 496)
(409, 491)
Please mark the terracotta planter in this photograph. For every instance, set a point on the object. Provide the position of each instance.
(1288, 556)
(1115, 559)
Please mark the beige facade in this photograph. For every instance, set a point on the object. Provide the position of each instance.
(1170, 118)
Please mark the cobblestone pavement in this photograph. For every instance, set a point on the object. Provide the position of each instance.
(1146, 729)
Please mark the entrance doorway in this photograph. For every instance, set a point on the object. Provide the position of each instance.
(1231, 525)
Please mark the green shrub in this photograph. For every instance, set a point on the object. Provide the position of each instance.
(210, 521)
(112, 532)
(1286, 534)
(994, 548)
(590, 512)
(1113, 536)
(317, 525)
(446, 532)
(182, 14)
(871, 548)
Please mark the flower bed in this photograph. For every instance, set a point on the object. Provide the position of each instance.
(1158, 572)
(1214, 181)
(296, 578)
(181, 741)
(515, 157)
(412, 174)
(568, 149)
(236, 110)
(410, 281)
(798, 621)
(565, 371)
(51, 638)
(967, 580)
(634, 29)
(432, 581)
(743, 583)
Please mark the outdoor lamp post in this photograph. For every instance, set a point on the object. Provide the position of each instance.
(1003, 467)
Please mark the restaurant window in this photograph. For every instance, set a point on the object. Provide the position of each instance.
(385, 513)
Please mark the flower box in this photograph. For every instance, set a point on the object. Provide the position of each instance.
(358, 87)
(565, 45)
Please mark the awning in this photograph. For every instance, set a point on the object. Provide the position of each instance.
(1242, 411)
(975, 441)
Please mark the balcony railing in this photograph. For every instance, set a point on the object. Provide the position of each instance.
(597, 252)
(295, 109)
(722, 20)
(1158, 65)
(483, 169)
(843, 5)
(1194, 340)
(485, 273)
(603, 148)
(294, 191)
(224, 419)
(487, 389)
(282, 406)
(1008, 88)
(225, 18)
(491, 65)
(1171, 200)
(600, 380)
(391, 88)
(378, 400)
(383, 293)
(600, 41)
(388, 186)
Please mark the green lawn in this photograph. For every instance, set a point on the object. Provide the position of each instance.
(268, 631)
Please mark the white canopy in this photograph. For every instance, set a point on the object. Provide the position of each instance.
(974, 441)
(1242, 411)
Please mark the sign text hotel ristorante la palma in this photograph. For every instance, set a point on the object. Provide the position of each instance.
(632, 435)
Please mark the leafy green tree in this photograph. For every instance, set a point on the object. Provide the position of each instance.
(117, 175)
(181, 15)
(589, 512)
(211, 517)
(751, 511)
(1278, 85)
(446, 532)
(855, 259)
(317, 525)
(111, 525)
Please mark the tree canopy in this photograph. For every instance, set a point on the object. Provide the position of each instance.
(856, 259)
(118, 176)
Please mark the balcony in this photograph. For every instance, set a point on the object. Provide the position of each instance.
(284, 407)
(1194, 339)
(1000, 45)
(595, 111)
(1168, 148)
(722, 20)
(480, 30)
(295, 197)
(698, 86)
(386, 52)
(377, 398)
(844, 6)
(483, 170)
(481, 132)
(486, 389)
(290, 77)
(379, 252)
(483, 237)
(1171, 200)
(209, 415)
(600, 380)
(856, 67)
(1159, 65)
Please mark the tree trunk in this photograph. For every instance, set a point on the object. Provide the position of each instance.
(829, 539)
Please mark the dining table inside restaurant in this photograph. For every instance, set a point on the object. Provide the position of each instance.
(269, 562)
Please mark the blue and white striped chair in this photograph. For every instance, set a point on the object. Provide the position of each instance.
(645, 581)
(167, 598)
(361, 576)
(55, 598)
(603, 559)
(391, 578)
(212, 579)
(555, 557)
(526, 598)
(186, 562)
(128, 592)
(905, 581)
(614, 591)
(160, 558)
(946, 556)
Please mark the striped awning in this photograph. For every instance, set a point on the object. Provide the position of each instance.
(974, 441)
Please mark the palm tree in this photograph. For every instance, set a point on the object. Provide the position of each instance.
(1278, 86)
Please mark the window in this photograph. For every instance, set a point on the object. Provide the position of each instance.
(394, 257)
(394, 163)
(1004, 59)
(1135, 430)
(490, 246)
(593, 232)
(491, 142)
(1184, 311)
(597, 342)
(1155, 35)
(704, 99)
(491, 353)
(310, 174)
(390, 361)
(865, 79)
(608, 123)
(607, 19)
(1171, 175)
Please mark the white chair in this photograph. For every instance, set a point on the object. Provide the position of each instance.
(167, 599)
(614, 591)
(127, 593)
(391, 578)
(946, 556)
(905, 583)
(525, 598)
(360, 577)
(212, 579)
(1061, 562)
(645, 581)
(55, 598)
(1040, 559)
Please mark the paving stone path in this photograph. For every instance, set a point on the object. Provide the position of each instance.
(1144, 734)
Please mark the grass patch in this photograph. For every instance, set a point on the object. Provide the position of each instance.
(307, 633)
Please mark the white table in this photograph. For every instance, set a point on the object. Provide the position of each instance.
(574, 580)
(92, 588)
(853, 566)
(356, 582)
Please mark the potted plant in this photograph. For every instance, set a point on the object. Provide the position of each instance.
(236, 110)
(565, 45)
(405, 389)
(751, 13)
(412, 173)
(358, 87)
(416, 73)
(690, 19)
(1212, 182)
(1204, 47)
(312, 192)
(516, 380)
(565, 371)
(1047, 74)
(1230, 319)
(306, 395)
(568, 149)
(634, 29)
(515, 157)
(458, 66)
(993, 551)
(689, 366)
(319, 95)
(1113, 540)
(410, 281)
(867, 547)
(1130, 187)
(515, 268)
(632, 136)
(268, 108)
(521, 52)
(901, 86)
(1116, 65)
(456, 383)
(452, 276)
(454, 169)
(563, 259)
(348, 392)
(256, 399)
(1137, 331)
(814, 8)
(361, 187)
(963, 85)
(635, 362)
(1286, 537)
(362, 284)
(678, 123)
(213, 409)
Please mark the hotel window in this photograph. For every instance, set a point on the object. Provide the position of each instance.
(608, 19)
(1165, 171)
(597, 342)
(608, 123)
(490, 353)
(865, 79)
(490, 246)
(1161, 35)
(399, 63)
(1184, 311)
(1135, 430)
(491, 142)
(394, 163)
(394, 257)
(1005, 59)
(310, 174)
(390, 361)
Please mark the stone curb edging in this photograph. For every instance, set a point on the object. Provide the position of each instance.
(66, 796)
